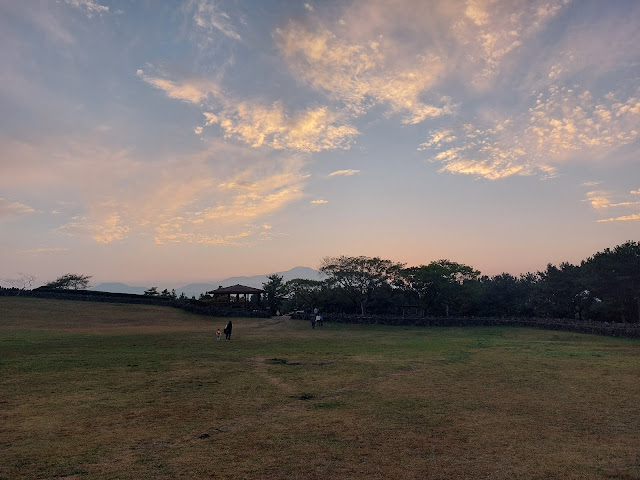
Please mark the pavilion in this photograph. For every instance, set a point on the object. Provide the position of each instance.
(236, 295)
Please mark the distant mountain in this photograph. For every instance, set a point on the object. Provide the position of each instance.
(118, 288)
(255, 281)
(195, 289)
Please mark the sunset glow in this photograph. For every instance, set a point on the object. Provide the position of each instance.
(168, 142)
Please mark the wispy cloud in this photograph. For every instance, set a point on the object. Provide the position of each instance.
(489, 31)
(182, 198)
(624, 218)
(47, 250)
(562, 124)
(310, 130)
(318, 202)
(11, 209)
(347, 173)
(313, 129)
(90, 7)
(606, 201)
(101, 227)
(362, 61)
(599, 199)
(189, 90)
(208, 16)
(357, 73)
(602, 199)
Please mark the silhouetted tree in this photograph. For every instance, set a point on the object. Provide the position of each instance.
(304, 294)
(276, 291)
(441, 286)
(613, 278)
(22, 282)
(70, 281)
(360, 277)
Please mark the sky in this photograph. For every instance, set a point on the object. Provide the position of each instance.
(148, 142)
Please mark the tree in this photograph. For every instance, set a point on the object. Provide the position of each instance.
(613, 277)
(440, 285)
(23, 282)
(507, 295)
(561, 291)
(304, 294)
(360, 277)
(152, 292)
(276, 291)
(70, 281)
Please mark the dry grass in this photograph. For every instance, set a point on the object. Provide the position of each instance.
(120, 391)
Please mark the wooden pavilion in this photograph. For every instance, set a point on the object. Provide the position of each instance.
(239, 296)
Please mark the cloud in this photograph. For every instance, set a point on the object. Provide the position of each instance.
(313, 129)
(624, 218)
(310, 130)
(489, 31)
(599, 199)
(198, 130)
(211, 118)
(47, 250)
(605, 201)
(195, 197)
(102, 227)
(561, 124)
(222, 206)
(397, 54)
(575, 54)
(208, 17)
(11, 209)
(189, 90)
(90, 7)
(318, 202)
(344, 173)
(361, 72)
(438, 138)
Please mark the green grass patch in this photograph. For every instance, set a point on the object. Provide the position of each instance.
(93, 391)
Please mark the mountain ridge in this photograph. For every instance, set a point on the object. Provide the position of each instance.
(195, 289)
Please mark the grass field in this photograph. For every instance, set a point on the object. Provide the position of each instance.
(91, 390)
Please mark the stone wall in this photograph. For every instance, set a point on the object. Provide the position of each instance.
(623, 330)
(189, 305)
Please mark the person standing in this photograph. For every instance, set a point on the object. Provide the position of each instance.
(227, 330)
(218, 335)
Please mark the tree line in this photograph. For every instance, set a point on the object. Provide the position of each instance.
(603, 287)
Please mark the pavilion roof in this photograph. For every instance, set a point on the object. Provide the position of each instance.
(235, 289)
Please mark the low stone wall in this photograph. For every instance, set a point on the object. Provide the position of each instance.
(201, 308)
(189, 305)
(623, 330)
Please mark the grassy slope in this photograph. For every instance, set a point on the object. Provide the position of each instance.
(119, 391)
